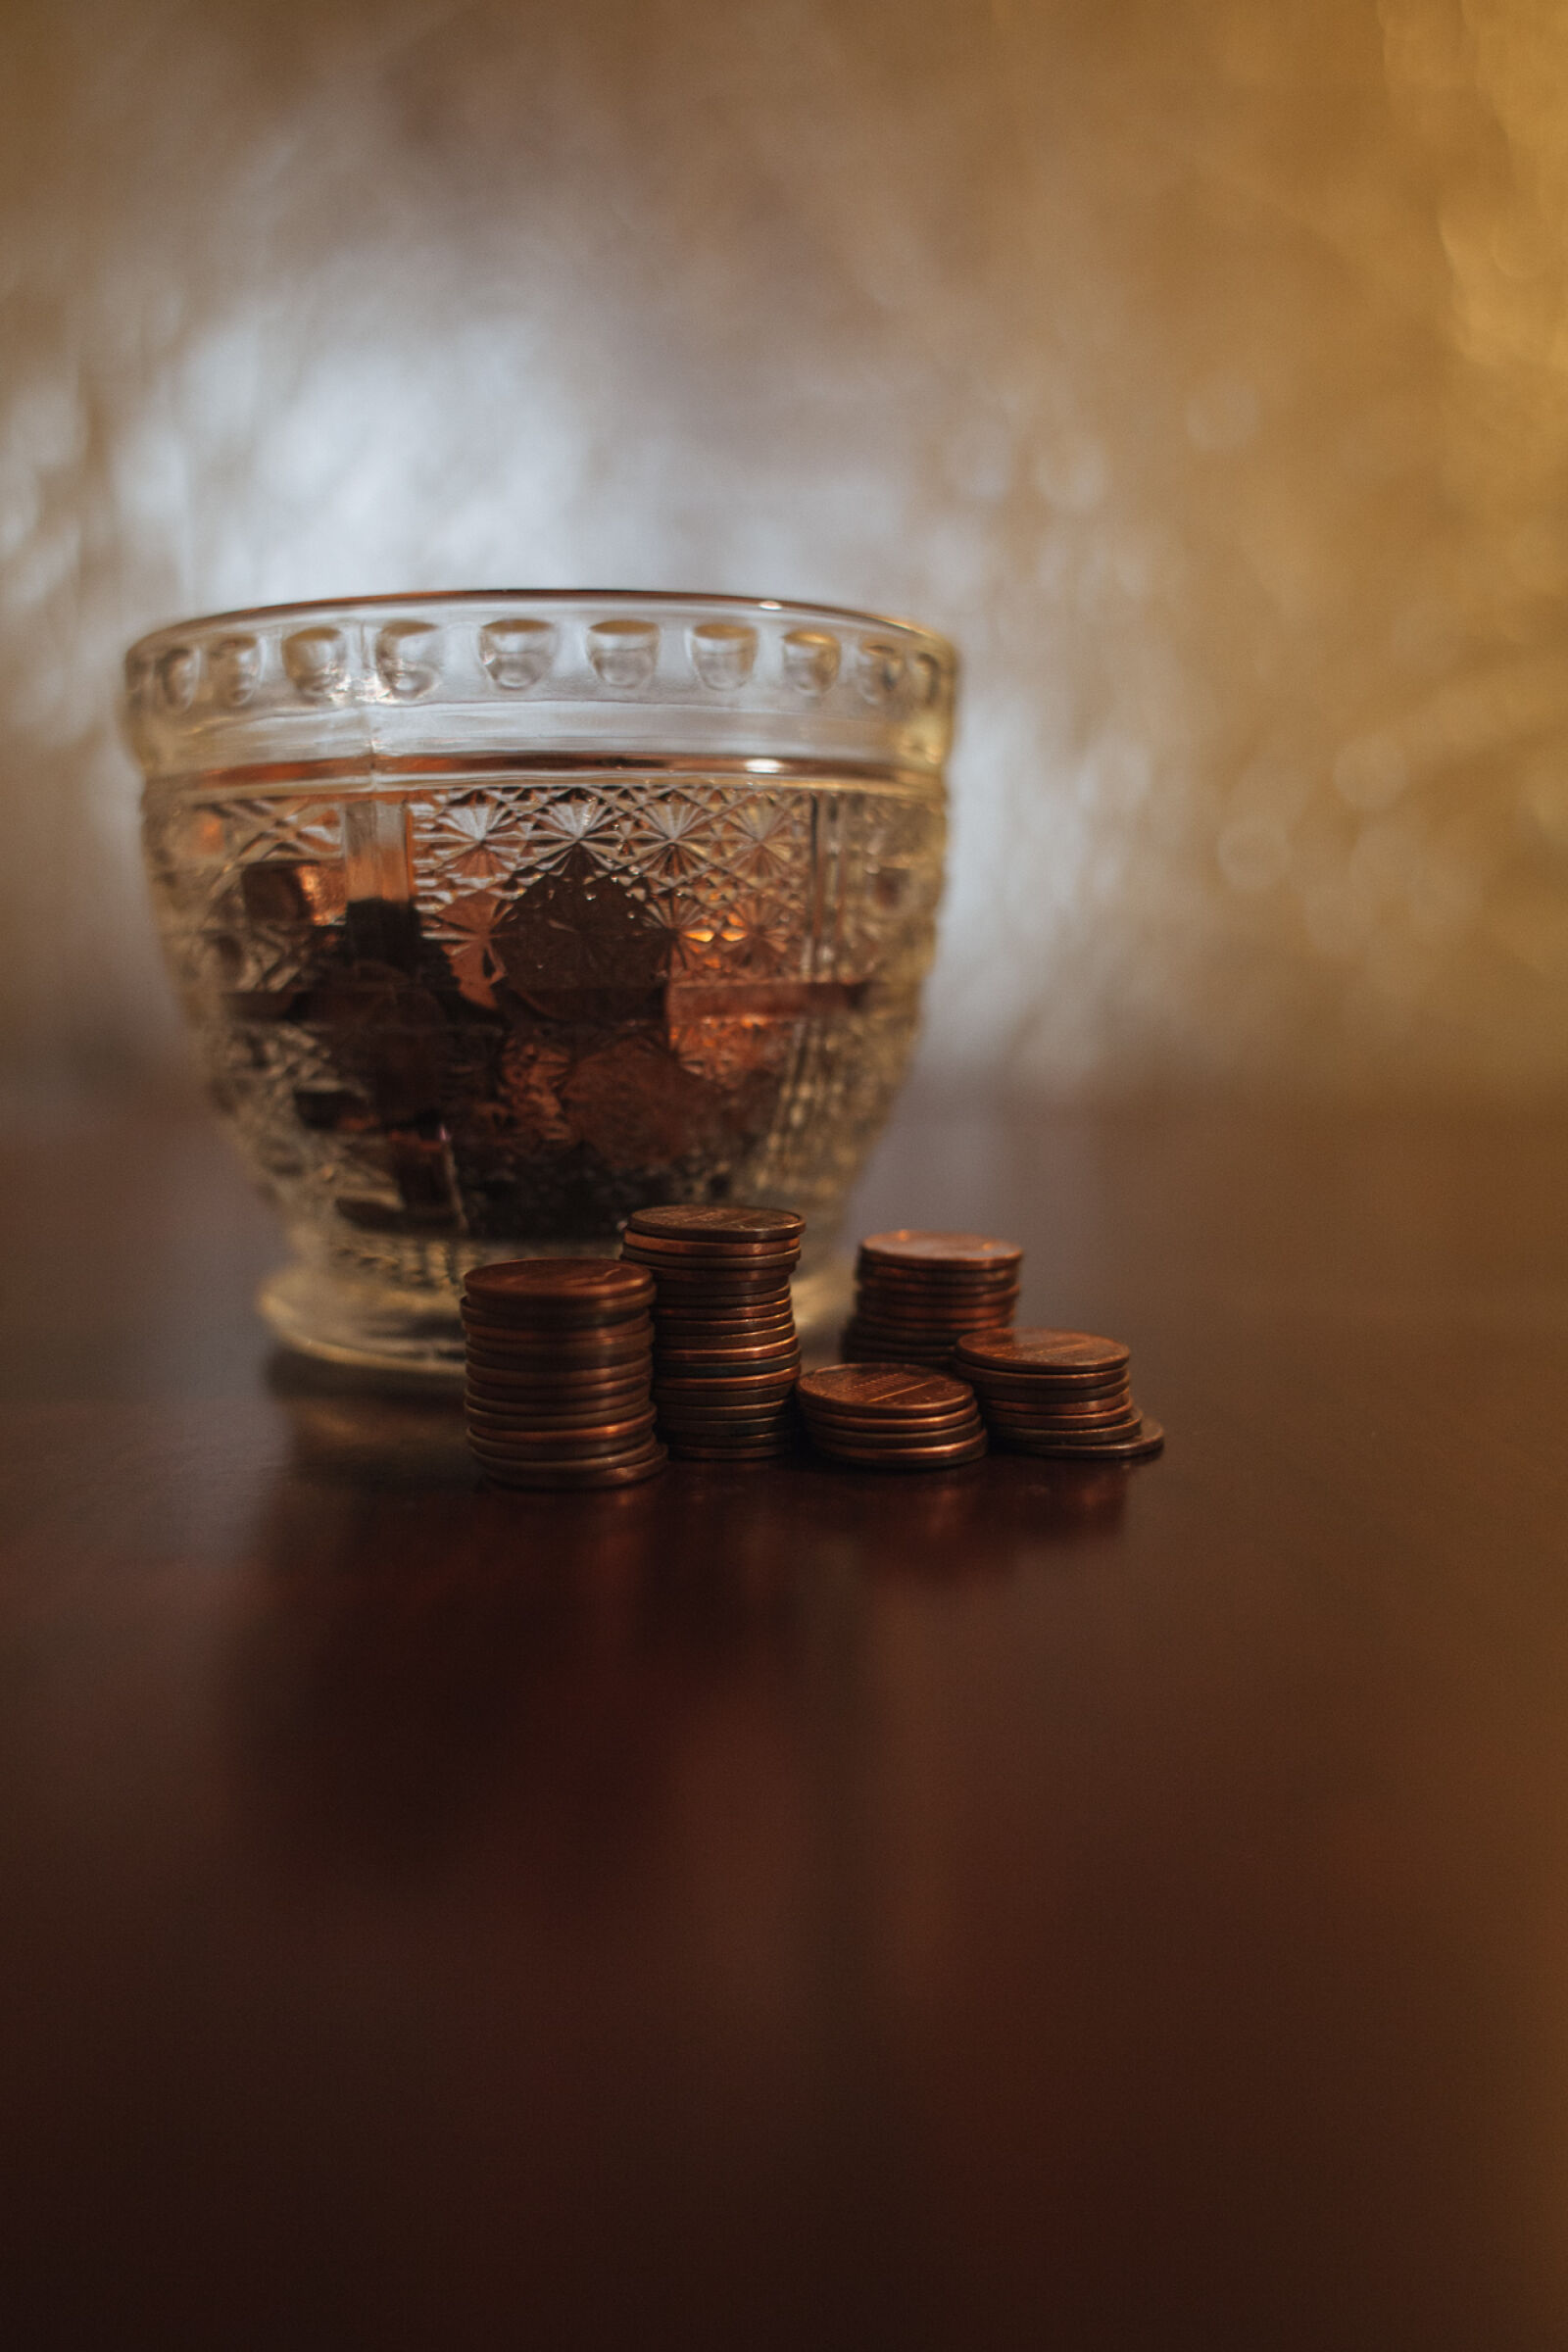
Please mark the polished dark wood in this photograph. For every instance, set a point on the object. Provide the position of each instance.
(789, 1906)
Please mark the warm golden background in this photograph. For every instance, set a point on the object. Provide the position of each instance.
(1199, 365)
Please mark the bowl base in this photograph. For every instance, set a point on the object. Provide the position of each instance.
(396, 1336)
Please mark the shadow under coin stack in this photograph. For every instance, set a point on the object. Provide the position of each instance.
(560, 1355)
(917, 1293)
(1057, 1393)
(891, 1417)
(725, 1350)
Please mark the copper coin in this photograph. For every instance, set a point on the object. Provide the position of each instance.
(1071, 1353)
(881, 1308)
(908, 1246)
(761, 1391)
(862, 1441)
(937, 1359)
(691, 1220)
(579, 1474)
(1058, 1400)
(1039, 1384)
(580, 1378)
(543, 1363)
(540, 1412)
(1094, 1435)
(564, 1343)
(704, 1433)
(923, 1425)
(555, 1450)
(1149, 1438)
(687, 1285)
(557, 1289)
(727, 1454)
(528, 1421)
(560, 1445)
(931, 1284)
(617, 1330)
(773, 1405)
(926, 1334)
(935, 1344)
(681, 1329)
(678, 1362)
(773, 1342)
(646, 1250)
(872, 1298)
(971, 1450)
(1015, 1408)
(882, 1388)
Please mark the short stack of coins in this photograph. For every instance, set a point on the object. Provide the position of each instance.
(558, 1365)
(1057, 1393)
(725, 1350)
(891, 1417)
(917, 1293)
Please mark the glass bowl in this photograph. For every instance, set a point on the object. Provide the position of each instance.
(496, 916)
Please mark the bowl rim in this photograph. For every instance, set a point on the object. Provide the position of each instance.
(401, 598)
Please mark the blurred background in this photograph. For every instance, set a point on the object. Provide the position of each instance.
(1198, 365)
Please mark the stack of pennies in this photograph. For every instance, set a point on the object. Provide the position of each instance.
(892, 1417)
(1057, 1393)
(559, 1357)
(725, 1353)
(917, 1293)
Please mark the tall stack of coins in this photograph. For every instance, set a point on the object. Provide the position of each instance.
(559, 1357)
(917, 1293)
(725, 1355)
(891, 1417)
(1057, 1393)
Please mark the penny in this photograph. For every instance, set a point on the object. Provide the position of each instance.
(580, 1378)
(1091, 1432)
(694, 1384)
(910, 1247)
(727, 1454)
(950, 1457)
(934, 1425)
(918, 1290)
(770, 1409)
(835, 1435)
(703, 1433)
(1107, 1433)
(568, 1409)
(687, 1330)
(678, 1360)
(1058, 1407)
(892, 1351)
(680, 1221)
(883, 1388)
(560, 1444)
(530, 1349)
(580, 1466)
(649, 1249)
(1149, 1438)
(585, 1474)
(1028, 1385)
(684, 1285)
(563, 1444)
(692, 1408)
(1043, 1350)
(557, 1289)
(924, 1334)
(926, 1298)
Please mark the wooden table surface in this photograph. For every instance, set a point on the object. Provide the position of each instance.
(791, 1907)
